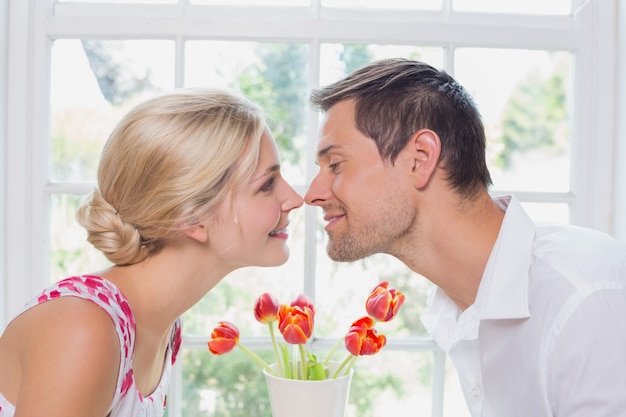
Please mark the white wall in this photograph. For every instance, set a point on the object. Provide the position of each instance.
(4, 24)
(619, 212)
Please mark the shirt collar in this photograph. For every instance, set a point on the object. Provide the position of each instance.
(503, 289)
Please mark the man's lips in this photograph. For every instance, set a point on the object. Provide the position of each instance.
(331, 219)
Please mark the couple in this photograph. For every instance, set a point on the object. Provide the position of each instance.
(190, 189)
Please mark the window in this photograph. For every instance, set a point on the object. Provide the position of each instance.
(538, 71)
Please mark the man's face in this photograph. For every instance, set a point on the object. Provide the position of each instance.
(365, 208)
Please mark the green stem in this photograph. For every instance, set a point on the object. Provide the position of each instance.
(303, 362)
(275, 345)
(347, 363)
(332, 350)
(258, 359)
(286, 362)
(294, 362)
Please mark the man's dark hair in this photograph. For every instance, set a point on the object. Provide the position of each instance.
(394, 98)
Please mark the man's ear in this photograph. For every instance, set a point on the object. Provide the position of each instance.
(424, 148)
(197, 232)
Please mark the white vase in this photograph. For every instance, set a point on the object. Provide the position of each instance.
(297, 398)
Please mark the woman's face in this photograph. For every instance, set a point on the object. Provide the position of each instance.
(251, 228)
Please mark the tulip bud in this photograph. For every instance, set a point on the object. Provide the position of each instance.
(223, 338)
(266, 309)
(382, 303)
(303, 301)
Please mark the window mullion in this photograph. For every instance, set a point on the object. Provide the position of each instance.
(439, 379)
(593, 117)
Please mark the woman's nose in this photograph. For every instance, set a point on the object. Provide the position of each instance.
(294, 200)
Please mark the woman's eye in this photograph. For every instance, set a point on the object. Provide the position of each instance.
(268, 185)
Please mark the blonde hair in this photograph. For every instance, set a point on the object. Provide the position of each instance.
(169, 162)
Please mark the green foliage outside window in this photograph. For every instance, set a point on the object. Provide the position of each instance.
(536, 117)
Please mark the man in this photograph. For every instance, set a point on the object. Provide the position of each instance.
(534, 318)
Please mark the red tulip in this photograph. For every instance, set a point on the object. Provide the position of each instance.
(223, 338)
(295, 323)
(383, 304)
(303, 301)
(266, 309)
(362, 338)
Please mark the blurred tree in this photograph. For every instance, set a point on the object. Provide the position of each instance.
(77, 142)
(117, 79)
(535, 117)
(224, 386)
(354, 56)
(278, 83)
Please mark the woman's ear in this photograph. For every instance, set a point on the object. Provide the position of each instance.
(425, 149)
(197, 232)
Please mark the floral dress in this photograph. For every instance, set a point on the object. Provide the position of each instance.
(127, 401)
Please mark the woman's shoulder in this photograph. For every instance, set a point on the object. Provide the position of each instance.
(68, 350)
(87, 310)
(71, 321)
(97, 290)
(67, 313)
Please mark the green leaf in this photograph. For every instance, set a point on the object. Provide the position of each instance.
(315, 371)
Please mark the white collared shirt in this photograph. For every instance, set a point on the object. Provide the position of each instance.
(546, 336)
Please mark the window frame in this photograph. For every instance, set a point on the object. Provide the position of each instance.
(597, 197)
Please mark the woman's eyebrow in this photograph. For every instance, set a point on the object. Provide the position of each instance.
(269, 171)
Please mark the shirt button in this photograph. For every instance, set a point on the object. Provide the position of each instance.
(474, 391)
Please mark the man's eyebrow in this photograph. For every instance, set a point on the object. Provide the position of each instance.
(324, 151)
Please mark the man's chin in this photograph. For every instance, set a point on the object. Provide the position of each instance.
(343, 254)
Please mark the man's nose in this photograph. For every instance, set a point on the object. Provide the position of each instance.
(317, 193)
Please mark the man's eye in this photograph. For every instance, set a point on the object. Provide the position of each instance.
(333, 166)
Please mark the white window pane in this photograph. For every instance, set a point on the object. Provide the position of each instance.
(274, 75)
(70, 253)
(558, 7)
(93, 84)
(385, 4)
(338, 60)
(524, 97)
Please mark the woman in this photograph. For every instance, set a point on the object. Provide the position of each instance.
(189, 189)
